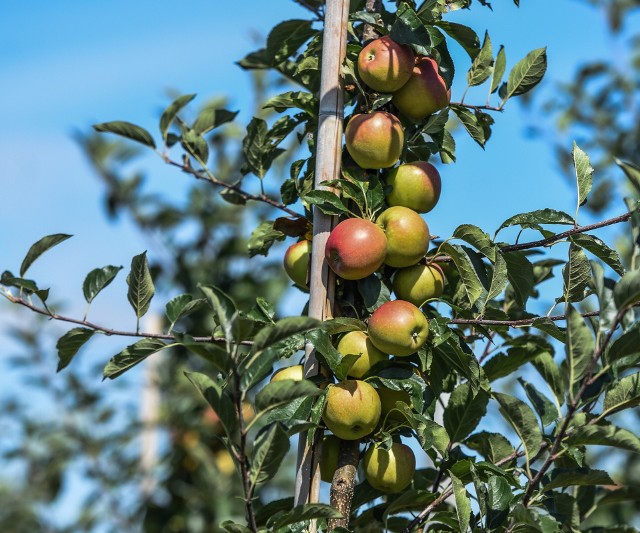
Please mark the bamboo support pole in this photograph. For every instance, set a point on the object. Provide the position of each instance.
(328, 158)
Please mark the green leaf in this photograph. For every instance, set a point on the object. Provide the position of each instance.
(38, 248)
(343, 324)
(172, 111)
(472, 285)
(279, 393)
(328, 202)
(131, 356)
(627, 290)
(463, 503)
(270, 448)
(285, 39)
(302, 513)
(465, 36)
(604, 434)
(544, 407)
(409, 29)
(523, 421)
(293, 99)
(181, 306)
(224, 309)
(464, 411)
(626, 344)
(598, 248)
(219, 400)
(69, 344)
(322, 343)
(631, 171)
(471, 124)
(263, 237)
(625, 393)
(499, 277)
(499, 492)
(128, 130)
(548, 369)
(271, 335)
(576, 275)
(141, 289)
(533, 219)
(476, 238)
(481, 66)
(499, 67)
(211, 118)
(465, 363)
(98, 279)
(195, 145)
(584, 173)
(492, 446)
(580, 476)
(520, 275)
(524, 350)
(233, 527)
(579, 346)
(527, 73)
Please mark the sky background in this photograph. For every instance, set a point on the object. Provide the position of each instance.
(65, 65)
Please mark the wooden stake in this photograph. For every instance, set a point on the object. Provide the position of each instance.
(328, 159)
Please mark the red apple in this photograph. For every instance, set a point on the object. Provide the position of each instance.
(385, 65)
(356, 248)
(398, 327)
(296, 262)
(424, 93)
(358, 343)
(414, 185)
(407, 236)
(375, 140)
(419, 283)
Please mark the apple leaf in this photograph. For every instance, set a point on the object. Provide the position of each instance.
(470, 122)
(40, 247)
(598, 248)
(465, 36)
(270, 448)
(131, 356)
(520, 274)
(481, 66)
(141, 288)
(576, 274)
(499, 67)
(492, 446)
(464, 411)
(280, 393)
(263, 237)
(472, 284)
(526, 74)
(625, 345)
(561, 477)
(302, 513)
(210, 118)
(409, 29)
(97, 280)
(219, 400)
(534, 219)
(172, 111)
(128, 130)
(69, 344)
(579, 347)
(545, 408)
(627, 290)
(625, 393)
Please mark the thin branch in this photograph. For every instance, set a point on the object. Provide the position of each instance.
(478, 107)
(514, 323)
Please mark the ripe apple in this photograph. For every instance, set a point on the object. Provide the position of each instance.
(407, 236)
(385, 65)
(419, 283)
(296, 262)
(296, 373)
(356, 248)
(358, 342)
(388, 400)
(352, 409)
(329, 459)
(398, 327)
(424, 93)
(374, 140)
(389, 470)
(414, 185)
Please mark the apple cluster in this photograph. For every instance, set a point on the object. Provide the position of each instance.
(397, 240)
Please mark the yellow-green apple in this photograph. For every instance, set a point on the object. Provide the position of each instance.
(356, 248)
(419, 283)
(296, 262)
(358, 342)
(384, 65)
(388, 400)
(425, 92)
(329, 459)
(389, 470)
(414, 185)
(374, 140)
(407, 236)
(352, 409)
(398, 328)
(295, 372)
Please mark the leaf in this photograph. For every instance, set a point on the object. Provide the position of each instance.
(98, 279)
(131, 356)
(631, 171)
(284, 328)
(224, 309)
(343, 324)
(499, 67)
(470, 122)
(527, 73)
(476, 238)
(472, 285)
(279, 393)
(38, 248)
(452, 353)
(181, 306)
(598, 248)
(625, 393)
(409, 29)
(271, 446)
(481, 66)
(626, 344)
(533, 219)
(263, 237)
(525, 351)
(627, 290)
(580, 476)
(520, 275)
(604, 434)
(328, 202)
(211, 118)
(219, 400)
(285, 39)
(548, 369)
(465, 36)
(233, 527)
(464, 411)
(322, 343)
(128, 130)
(69, 344)
(141, 289)
(499, 492)
(293, 99)
(523, 421)
(492, 446)
(463, 503)
(499, 277)
(195, 145)
(576, 274)
(302, 513)
(579, 346)
(584, 173)
(543, 406)
(172, 111)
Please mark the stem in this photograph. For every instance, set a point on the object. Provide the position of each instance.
(343, 483)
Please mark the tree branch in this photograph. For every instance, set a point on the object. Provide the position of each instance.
(478, 107)
(513, 323)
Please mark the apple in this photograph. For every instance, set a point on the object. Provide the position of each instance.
(424, 93)
(356, 248)
(389, 470)
(352, 409)
(388, 400)
(398, 328)
(225, 463)
(374, 140)
(419, 283)
(296, 262)
(385, 65)
(358, 342)
(414, 185)
(329, 459)
(407, 236)
(296, 373)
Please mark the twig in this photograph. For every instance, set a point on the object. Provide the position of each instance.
(478, 107)
(513, 323)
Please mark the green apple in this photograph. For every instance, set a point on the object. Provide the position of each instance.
(388, 400)
(352, 409)
(389, 470)
(374, 140)
(418, 283)
(358, 342)
(398, 328)
(356, 248)
(414, 185)
(425, 92)
(407, 236)
(329, 459)
(296, 373)
(296, 262)
(385, 65)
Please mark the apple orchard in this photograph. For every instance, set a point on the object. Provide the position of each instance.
(392, 388)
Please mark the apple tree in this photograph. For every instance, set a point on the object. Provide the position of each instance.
(430, 395)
